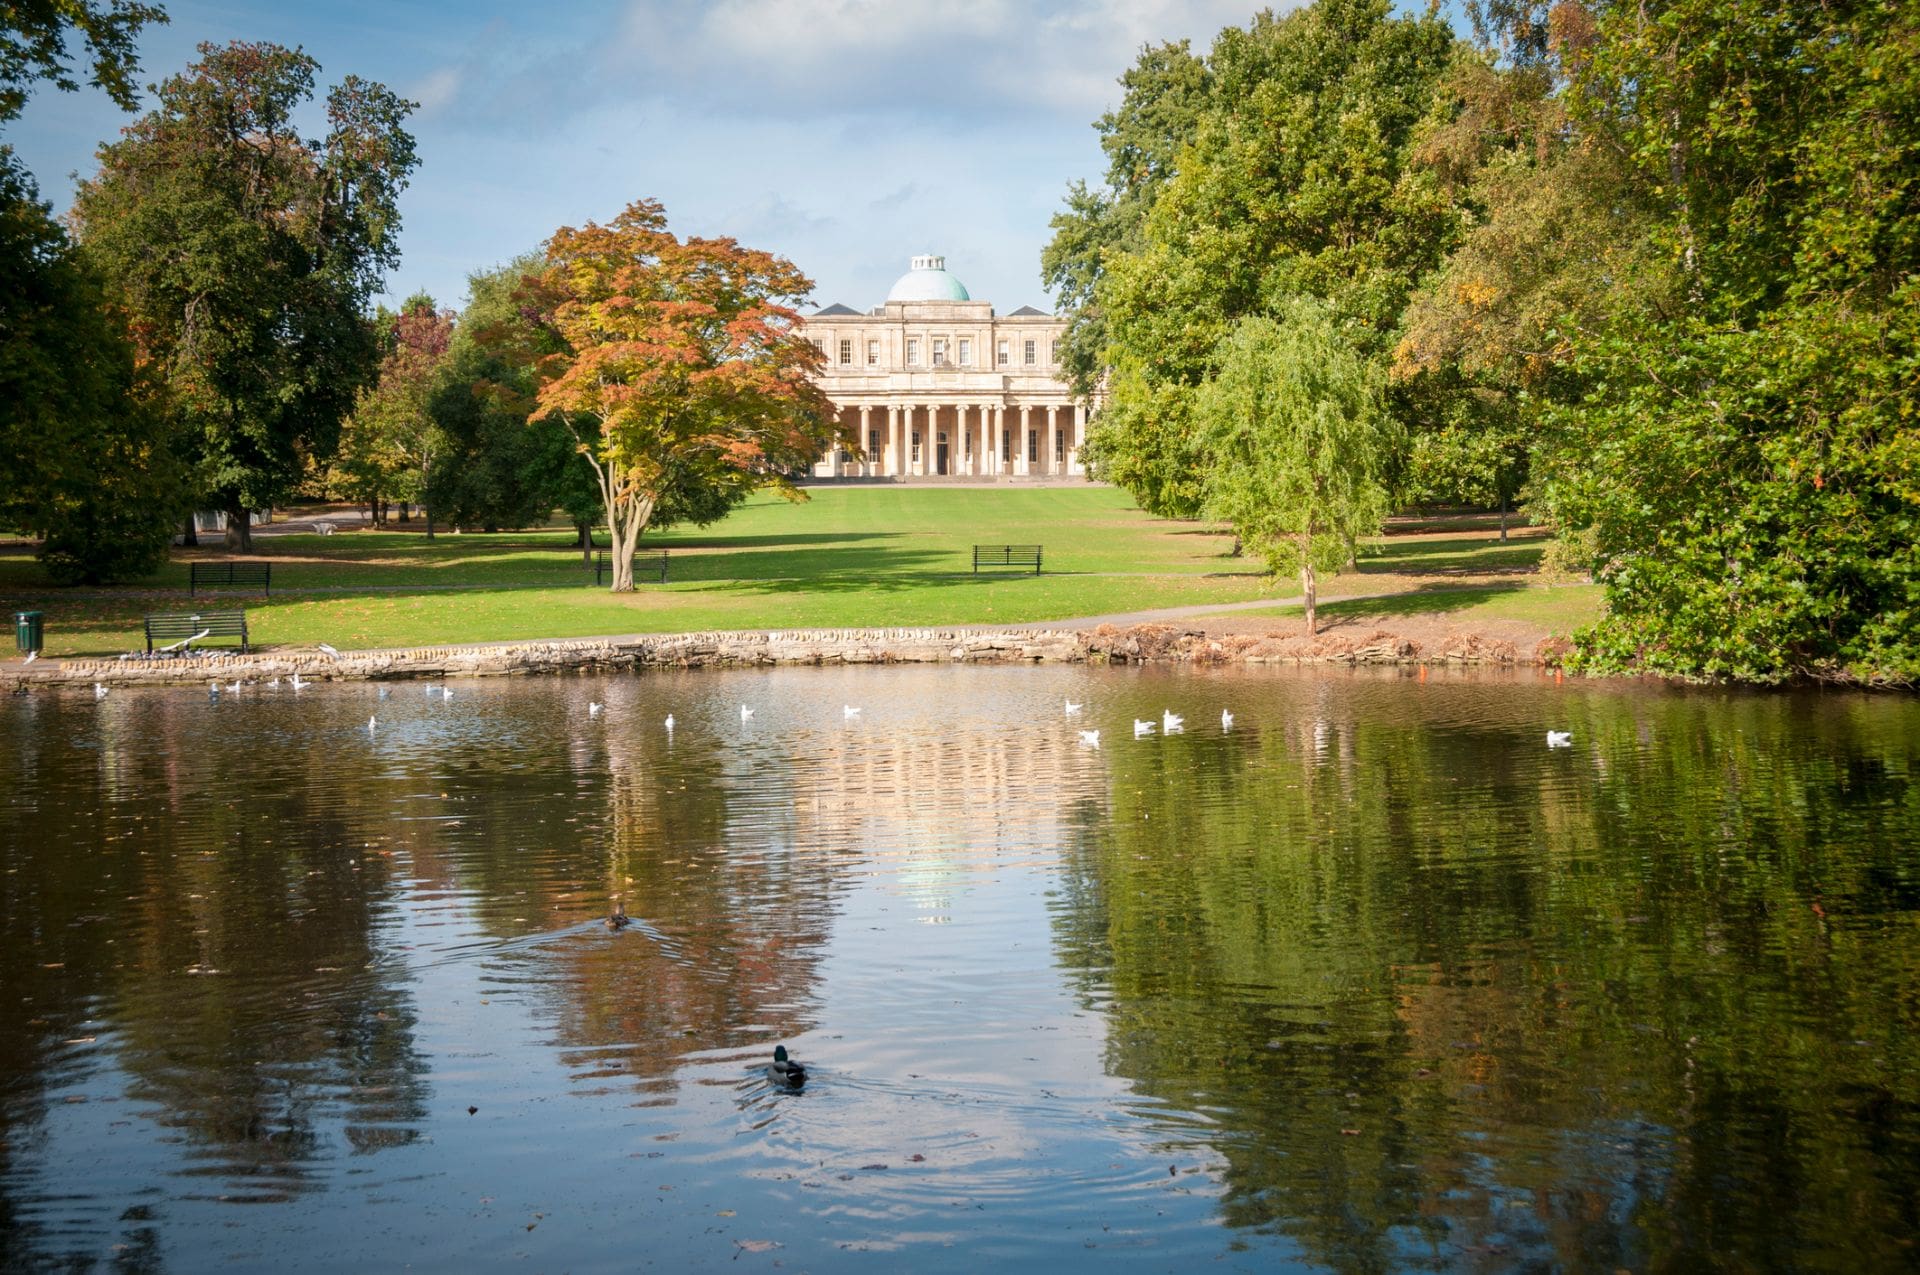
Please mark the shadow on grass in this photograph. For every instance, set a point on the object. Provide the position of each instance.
(1454, 557)
(1424, 600)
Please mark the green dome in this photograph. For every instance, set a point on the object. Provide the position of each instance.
(928, 281)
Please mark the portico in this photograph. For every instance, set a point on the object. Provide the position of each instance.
(935, 384)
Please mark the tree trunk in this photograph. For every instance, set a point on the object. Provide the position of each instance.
(406, 507)
(239, 530)
(586, 541)
(1308, 594)
(1503, 520)
(191, 534)
(426, 472)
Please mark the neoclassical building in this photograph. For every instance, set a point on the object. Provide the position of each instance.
(935, 383)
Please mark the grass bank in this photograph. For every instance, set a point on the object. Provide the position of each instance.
(853, 557)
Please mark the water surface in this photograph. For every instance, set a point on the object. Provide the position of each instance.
(1373, 981)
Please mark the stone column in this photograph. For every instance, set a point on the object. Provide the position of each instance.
(891, 466)
(1021, 465)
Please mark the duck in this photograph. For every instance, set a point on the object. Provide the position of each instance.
(784, 1070)
(618, 918)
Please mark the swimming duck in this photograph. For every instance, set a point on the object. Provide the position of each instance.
(784, 1070)
(618, 918)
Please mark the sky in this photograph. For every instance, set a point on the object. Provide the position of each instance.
(846, 135)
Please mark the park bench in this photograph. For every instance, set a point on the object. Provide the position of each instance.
(644, 564)
(1006, 556)
(176, 627)
(239, 575)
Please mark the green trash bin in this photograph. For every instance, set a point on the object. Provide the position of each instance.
(28, 630)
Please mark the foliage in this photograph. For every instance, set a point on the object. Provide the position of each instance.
(84, 460)
(678, 364)
(1300, 440)
(33, 46)
(246, 256)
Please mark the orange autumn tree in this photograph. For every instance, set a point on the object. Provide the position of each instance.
(676, 366)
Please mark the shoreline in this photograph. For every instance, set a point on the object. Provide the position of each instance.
(1144, 643)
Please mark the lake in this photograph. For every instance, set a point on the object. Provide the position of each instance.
(1373, 980)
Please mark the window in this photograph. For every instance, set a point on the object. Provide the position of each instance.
(873, 441)
(1003, 358)
(1033, 353)
(846, 353)
(819, 345)
(939, 351)
(966, 352)
(916, 446)
(1059, 447)
(1006, 446)
(913, 351)
(873, 354)
(1033, 442)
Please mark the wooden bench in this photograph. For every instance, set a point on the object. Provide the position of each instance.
(644, 564)
(240, 575)
(176, 627)
(1006, 556)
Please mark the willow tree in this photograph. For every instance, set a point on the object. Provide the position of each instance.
(1300, 438)
(678, 361)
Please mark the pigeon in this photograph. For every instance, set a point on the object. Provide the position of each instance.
(1226, 719)
(593, 709)
(1559, 739)
(1141, 728)
(1091, 738)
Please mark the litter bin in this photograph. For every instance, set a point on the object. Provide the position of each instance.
(27, 630)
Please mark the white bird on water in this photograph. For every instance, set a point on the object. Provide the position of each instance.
(593, 709)
(213, 692)
(1226, 719)
(372, 722)
(446, 692)
(745, 712)
(1559, 739)
(1141, 728)
(849, 710)
(1091, 738)
(237, 687)
(669, 723)
(384, 692)
(99, 691)
(299, 685)
(1171, 722)
(1073, 708)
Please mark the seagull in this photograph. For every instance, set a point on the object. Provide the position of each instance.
(669, 723)
(848, 710)
(1226, 719)
(328, 651)
(32, 656)
(1141, 728)
(273, 683)
(1091, 738)
(1072, 708)
(1170, 721)
(186, 641)
(213, 692)
(299, 685)
(235, 688)
(593, 709)
(384, 692)
(446, 692)
(1559, 739)
(371, 723)
(99, 691)
(745, 712)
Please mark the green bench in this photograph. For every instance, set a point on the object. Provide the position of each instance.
(644, 564)
(176, 628)
(239, 575)
(1022, 556)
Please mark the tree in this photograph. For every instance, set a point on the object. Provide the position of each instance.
(393, 434)
(678, 364)
(1300, 437)
(84, 458)
(33, 46)
(246, 256)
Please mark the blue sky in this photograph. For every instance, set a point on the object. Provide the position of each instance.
(848, 135)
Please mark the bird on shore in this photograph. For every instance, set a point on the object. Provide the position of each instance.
(784, 1070)
(1559, 739)
(1170, 721)
(1226, 719)
(593, 709)
(1091, 738)
(328, 651)
(618, 918)
(1141, 728)
(31, 657)
(1073, 708)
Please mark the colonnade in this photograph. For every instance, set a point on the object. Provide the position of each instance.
(925, 438)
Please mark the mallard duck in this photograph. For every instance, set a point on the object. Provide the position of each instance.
(618, 918)
(784, 1070)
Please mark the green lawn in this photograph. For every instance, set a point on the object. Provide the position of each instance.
(848, 557)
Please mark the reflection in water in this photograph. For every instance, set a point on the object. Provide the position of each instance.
(1375, 981)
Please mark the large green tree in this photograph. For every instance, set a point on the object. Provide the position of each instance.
(247, 255)
(1300, 437)
(34, 40)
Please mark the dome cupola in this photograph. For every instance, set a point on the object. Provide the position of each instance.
(928, 281)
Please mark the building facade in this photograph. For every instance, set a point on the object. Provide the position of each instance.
(935, 384)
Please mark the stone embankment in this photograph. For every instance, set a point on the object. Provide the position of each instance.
(1106, 644)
